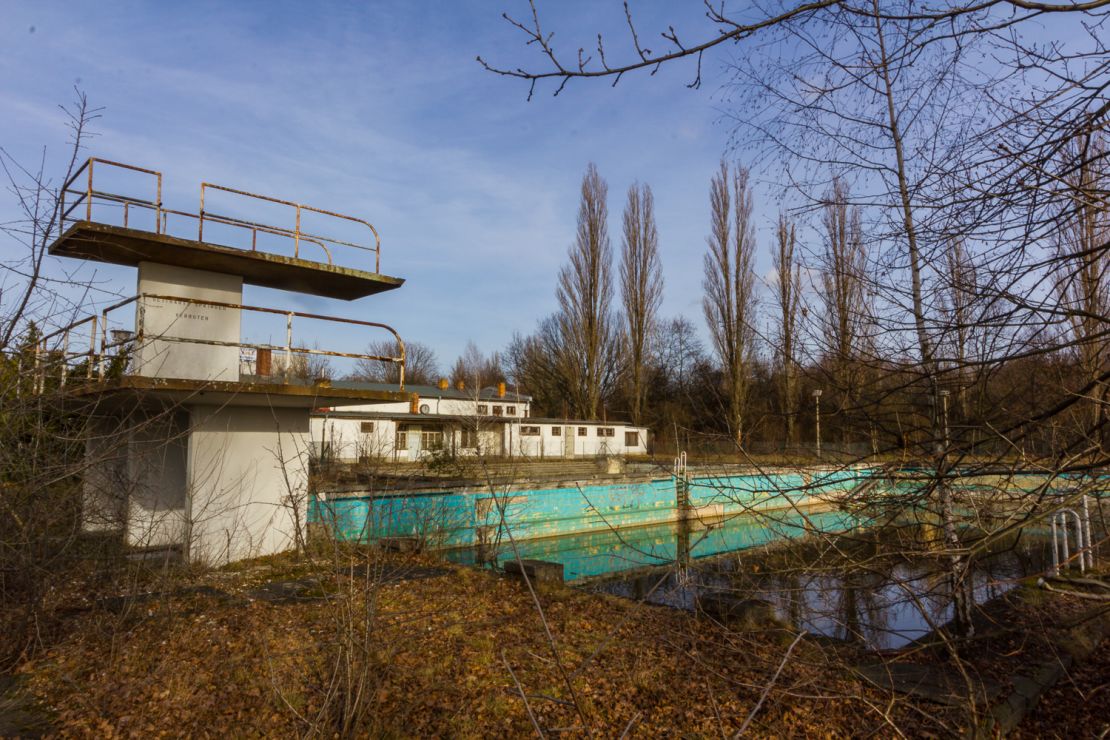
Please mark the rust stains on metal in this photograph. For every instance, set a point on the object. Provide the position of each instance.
(118, 245)
(60, 358)
(244, 393)
(87, 195)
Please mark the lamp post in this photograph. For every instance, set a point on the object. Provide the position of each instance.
(944, 410)
(817, 408)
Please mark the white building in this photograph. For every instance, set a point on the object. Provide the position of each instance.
(490, 421)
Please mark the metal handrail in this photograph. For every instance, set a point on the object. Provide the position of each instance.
(96, 355)
(87, 194)
(204, 186)
(254, 227)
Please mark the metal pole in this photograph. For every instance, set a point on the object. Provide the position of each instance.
(944, 406)
(1055, 549)
(92, 347)
(88, 195)
(1089, 548)
(288, 345)
(1064, 538)
(104, 342)
(1079, 549)
(65, 352)
(297, 235)
(817, 407)
(37, 385)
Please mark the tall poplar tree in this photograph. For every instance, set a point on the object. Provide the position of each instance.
(641, 288)
(729, 301)
(588, 359)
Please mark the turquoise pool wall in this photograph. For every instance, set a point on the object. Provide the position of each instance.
(469, 517)
(601, 553)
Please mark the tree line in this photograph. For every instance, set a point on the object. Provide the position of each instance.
(815, 332)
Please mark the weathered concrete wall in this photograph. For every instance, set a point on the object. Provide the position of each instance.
(474, 516)
(168, 359)
(135, 479)
(248, 481)
(221, 483)
(157, 478)
(104, 485)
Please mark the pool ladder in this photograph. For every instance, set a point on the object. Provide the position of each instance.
(682, 484)
(1060, 549)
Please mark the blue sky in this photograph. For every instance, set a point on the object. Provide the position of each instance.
(380, 110)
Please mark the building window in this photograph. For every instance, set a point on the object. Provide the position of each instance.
(556, 431)
(483, 409)
(583, 431)
(469, 439)
(366, 427)
(529, 431)
(402, 440)
(497, 410)
(631, 439)
(510, 411)
(605, 431)
(431, 439)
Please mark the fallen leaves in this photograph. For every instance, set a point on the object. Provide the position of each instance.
(424, 657)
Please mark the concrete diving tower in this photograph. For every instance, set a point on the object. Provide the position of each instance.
(198, 404)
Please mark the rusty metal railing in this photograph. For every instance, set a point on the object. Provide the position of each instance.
(54, 358)
(88, 195)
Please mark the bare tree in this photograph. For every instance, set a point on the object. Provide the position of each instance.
(729, 303)
(533, 364)
(842, 271)
(421, 364)
(477, 369)
(1083, 261)
(42, 447)
(949, 123)
(584, 292)
(641, 287)
(962, 291)
(788, 294)
(305, 367)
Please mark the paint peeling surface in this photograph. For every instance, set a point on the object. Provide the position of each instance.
(479, 517)
(602, 553)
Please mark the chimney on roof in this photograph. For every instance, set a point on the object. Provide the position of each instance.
(460, 385)
(443, 384)
(501, 389)
(414, 403)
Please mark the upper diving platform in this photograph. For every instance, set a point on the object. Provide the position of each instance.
(113, 212)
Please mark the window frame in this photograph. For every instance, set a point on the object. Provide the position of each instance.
(434, 435)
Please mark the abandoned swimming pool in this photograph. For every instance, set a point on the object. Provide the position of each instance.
(461, 516)
(632, 538)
